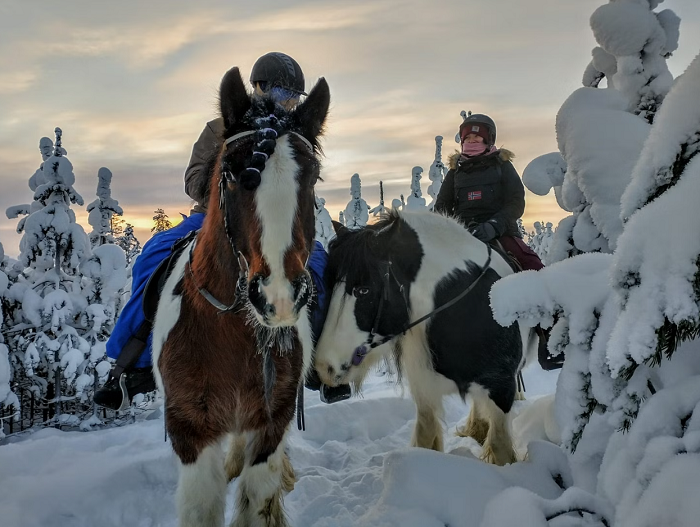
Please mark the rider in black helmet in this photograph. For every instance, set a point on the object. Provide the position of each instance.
(274, 73)
(279, 76)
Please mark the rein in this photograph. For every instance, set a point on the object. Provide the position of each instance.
(361, 352)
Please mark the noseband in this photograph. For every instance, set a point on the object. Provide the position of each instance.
(243, 267)
(359, 354)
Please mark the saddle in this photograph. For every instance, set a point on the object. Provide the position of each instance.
(509, 257)
(151, 294)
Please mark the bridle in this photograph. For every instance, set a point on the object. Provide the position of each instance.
(360, 352)
(243, 268)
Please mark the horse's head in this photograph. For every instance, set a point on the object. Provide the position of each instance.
(370, 272)
(262, 194)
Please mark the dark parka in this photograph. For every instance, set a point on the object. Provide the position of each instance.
(484, 189)
(196, 176)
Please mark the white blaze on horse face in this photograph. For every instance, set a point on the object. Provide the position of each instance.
(339, 338)
(276, 203)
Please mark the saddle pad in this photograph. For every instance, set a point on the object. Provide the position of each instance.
(156, 282)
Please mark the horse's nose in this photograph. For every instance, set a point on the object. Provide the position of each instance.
(302, 286)
(331, 375)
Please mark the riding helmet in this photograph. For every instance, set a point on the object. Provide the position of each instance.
(474, 122)
(278, 70)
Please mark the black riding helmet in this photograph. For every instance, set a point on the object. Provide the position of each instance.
(478, 119)
(276, 69)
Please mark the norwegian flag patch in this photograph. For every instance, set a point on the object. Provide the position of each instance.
(473, 195)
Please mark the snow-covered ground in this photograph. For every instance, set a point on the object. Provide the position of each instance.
(352, 463)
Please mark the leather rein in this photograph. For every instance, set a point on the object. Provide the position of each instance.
(363, 350)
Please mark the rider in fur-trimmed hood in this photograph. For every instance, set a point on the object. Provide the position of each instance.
(484, 191)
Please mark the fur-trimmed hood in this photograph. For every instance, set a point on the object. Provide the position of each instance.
(504, 154)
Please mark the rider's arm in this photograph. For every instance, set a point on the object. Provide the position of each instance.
(513, 198)
(208, 144)
(444, 202)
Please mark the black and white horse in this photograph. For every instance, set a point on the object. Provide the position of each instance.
(388, 276)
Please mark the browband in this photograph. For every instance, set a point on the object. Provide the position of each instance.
(250, 132)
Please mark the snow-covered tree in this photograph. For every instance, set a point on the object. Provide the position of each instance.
(161, 221)
(436, 173)
(541, 239)
(324, 224)
(415, 200)
(129, 243)
(341, 218)
(381, 208)
(7, 397)
(628, 322)
(357, 210)
(102, 210)
(600, 132)
(50, 300)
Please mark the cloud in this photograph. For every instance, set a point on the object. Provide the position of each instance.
(132, 85)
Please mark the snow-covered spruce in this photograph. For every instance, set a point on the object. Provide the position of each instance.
(415, 200)
(356, 211)
(324, 224)
(635, 42)
(101, 211)
(656, 269)
(436, 173)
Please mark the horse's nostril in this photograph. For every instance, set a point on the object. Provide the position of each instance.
(270, 310)
(345, 367)
(330, 370)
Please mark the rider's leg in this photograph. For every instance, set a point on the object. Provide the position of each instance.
(129, 376)
(529, 260)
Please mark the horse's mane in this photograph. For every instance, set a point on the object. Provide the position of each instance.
(354, 249)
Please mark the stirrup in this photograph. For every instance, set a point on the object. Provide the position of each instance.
(126, 403)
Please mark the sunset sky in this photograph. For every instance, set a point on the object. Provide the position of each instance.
(131, 83)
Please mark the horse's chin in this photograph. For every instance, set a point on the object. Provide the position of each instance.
(276, 322)
(355, 375)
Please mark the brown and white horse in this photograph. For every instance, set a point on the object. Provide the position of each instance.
(232, 339)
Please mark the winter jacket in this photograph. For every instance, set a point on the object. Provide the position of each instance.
(157, 249)
(484, 189)
(196, 176)
(154, 251)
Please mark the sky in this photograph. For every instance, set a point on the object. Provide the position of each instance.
(131, 85)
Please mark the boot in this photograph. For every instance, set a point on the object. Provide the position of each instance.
(117, 392)
(547, 362)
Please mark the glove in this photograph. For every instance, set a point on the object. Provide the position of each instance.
(483, 231)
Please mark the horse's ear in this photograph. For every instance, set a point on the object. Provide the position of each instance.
(338, 227)
(233, 97)
(311, 114)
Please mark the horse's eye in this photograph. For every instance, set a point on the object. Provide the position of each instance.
(360, 291)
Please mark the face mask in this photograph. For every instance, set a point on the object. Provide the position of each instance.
(473, 149)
